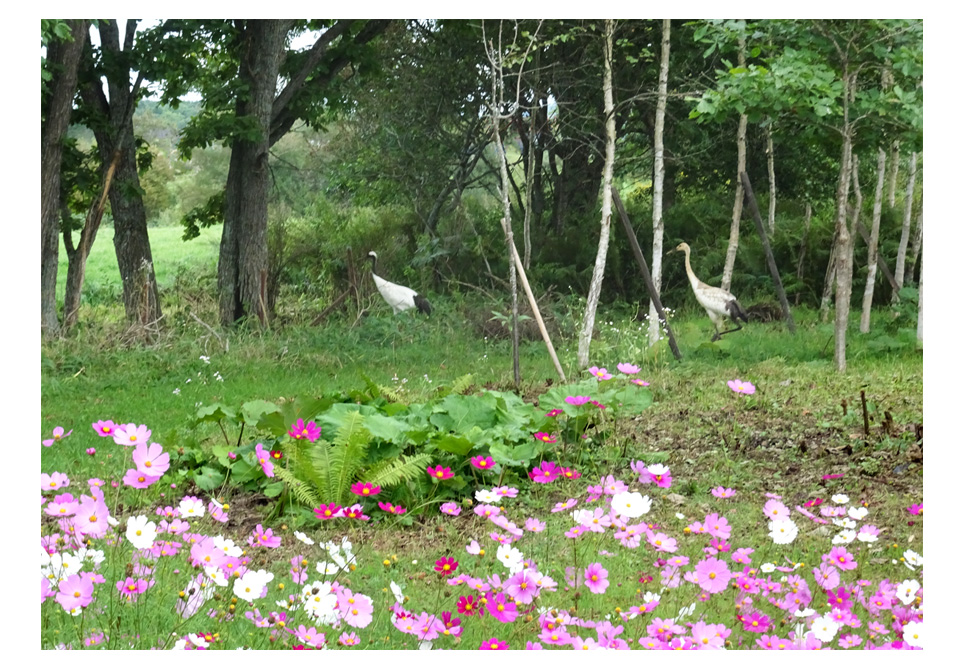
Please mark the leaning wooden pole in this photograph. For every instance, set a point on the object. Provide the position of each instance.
(752, 203)
(654, 297)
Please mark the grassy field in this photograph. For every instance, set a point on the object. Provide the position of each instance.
(800, 437)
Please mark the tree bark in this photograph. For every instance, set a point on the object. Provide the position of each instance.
(243, 268)
(873, 243)
(905, 229)
(734, 242)
(844, 246)
(657, 251)
(772, 177)
(63, 59)
(131, 241)
(593, 296)
(807, 214)
(920, 306)
(915, 243)
(894, 168)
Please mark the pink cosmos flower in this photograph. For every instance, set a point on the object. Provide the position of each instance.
(545, 437)
(741, 387)
(440, 472)
(625, 367)
(641, 383)
(105, 429)
(756, 622)
(486, 511)
(720, 492)
(356, 609)
(393, 509)
(450, 508)
(717, 526)
(840, 558)
(355, 512)
(916, 510)
(534, 525)
(218, 512)
(467, 605)
(75, 592)
(91, 451)
(664, 629)
(328, 511)
(501, 609)
(445, 566)
(63, 505)
(364, 489)
(493, 644)
(662, 542)
(835, 476)
(451, 625)
(506, 491)
(576, 532)
(138, 479)
(349, 639)
(53, 481)
(263, 458)
(707, 636)
(299, 431)
(600, 374)
(827, 576)
(264, 538)
(775, 510)
(482, 462)
(554, 412)
(151, 460)
(131, 434)
(565, 505)
(713, 575)
(91, 517)
(595, 578)
(131, 588)
(58, 435)
(577, 401)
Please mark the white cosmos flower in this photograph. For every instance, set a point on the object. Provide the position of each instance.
(216, 575)
(857, 512)
(825, 628)
(840, 498)
(657, 469)
(227, 546)
(767, 568)
(866, 537)
(397, 592)
(303, 538)
(484, 496)
(319, 601)
(191, 508)
(651, 597)
(141, 532)
(198, 641)
(913, 557)
(783, 531)
(907, 591)
(845, 537)
(96, 557)
(580, 515)
(250, 586)
(845, 523)
(803, 613)
(913, 633)
(509, 556)
(630, 504)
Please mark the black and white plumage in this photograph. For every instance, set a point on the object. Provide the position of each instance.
(400, 298)
(718, 303)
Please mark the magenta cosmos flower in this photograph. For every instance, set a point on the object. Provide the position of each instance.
(545, 437)
(450, 508)
(104, 428)
(440, 472)
(446, 566)
(482, 462)
(263, 458)
(310, 431)
(554, 412)
(713, 575)
(58, 435)
(393, 509)
(493, 644)
(264, 538)
(327, 511)
(577, 401)
(545, 473)
(641, 383)
(364, 489)
(916, 509)
(600, 374)
(151, 460)
(741, 386)
(595, 578)
(840, 558)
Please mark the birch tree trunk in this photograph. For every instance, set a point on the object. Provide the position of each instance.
(844, 246)
(771, 176)
(872, 245)
(734, 242)
(894, 168)
(915, 243)
(807, 214)
(920, 304)
(593, 297)
(657, 251)
(905, 230)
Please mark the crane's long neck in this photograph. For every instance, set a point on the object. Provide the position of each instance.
(690, 275)
(373, 264)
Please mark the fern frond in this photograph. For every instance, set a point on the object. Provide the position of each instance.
(391, 472)
(462, 384)
(300, 490)
(349, 451)
(390, 394)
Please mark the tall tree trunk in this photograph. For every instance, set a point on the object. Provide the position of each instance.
(593, 296)
(844, 245)
(905, 230)
(807, 214)
(531, 177)
(734, 242)
(131, 241)
(894, 168)
(657, 251)
(915, 243)
(243, 268)
(872, 245)
(830, 281)
(63, 59)
(920, 306)
(771, 176)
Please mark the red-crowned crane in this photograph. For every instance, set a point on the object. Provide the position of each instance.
(400, 298)
(719, 303)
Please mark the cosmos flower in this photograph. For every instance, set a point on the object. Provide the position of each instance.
(364, 489)
(388, 507)
(577, 400)
(58, 435)
(545, 437)
(263, 458)
(151, 460)
(627, 368)
(721, 492)
(595, 578)
(131, 434)
(741, 387)
(482, 462)
(440, 472)
(310, 431)
(600, 374)
(713, 576)
(104, 428)
(493, 644)
(783, 531)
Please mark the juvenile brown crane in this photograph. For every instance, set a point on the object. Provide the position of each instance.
(719, 303)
